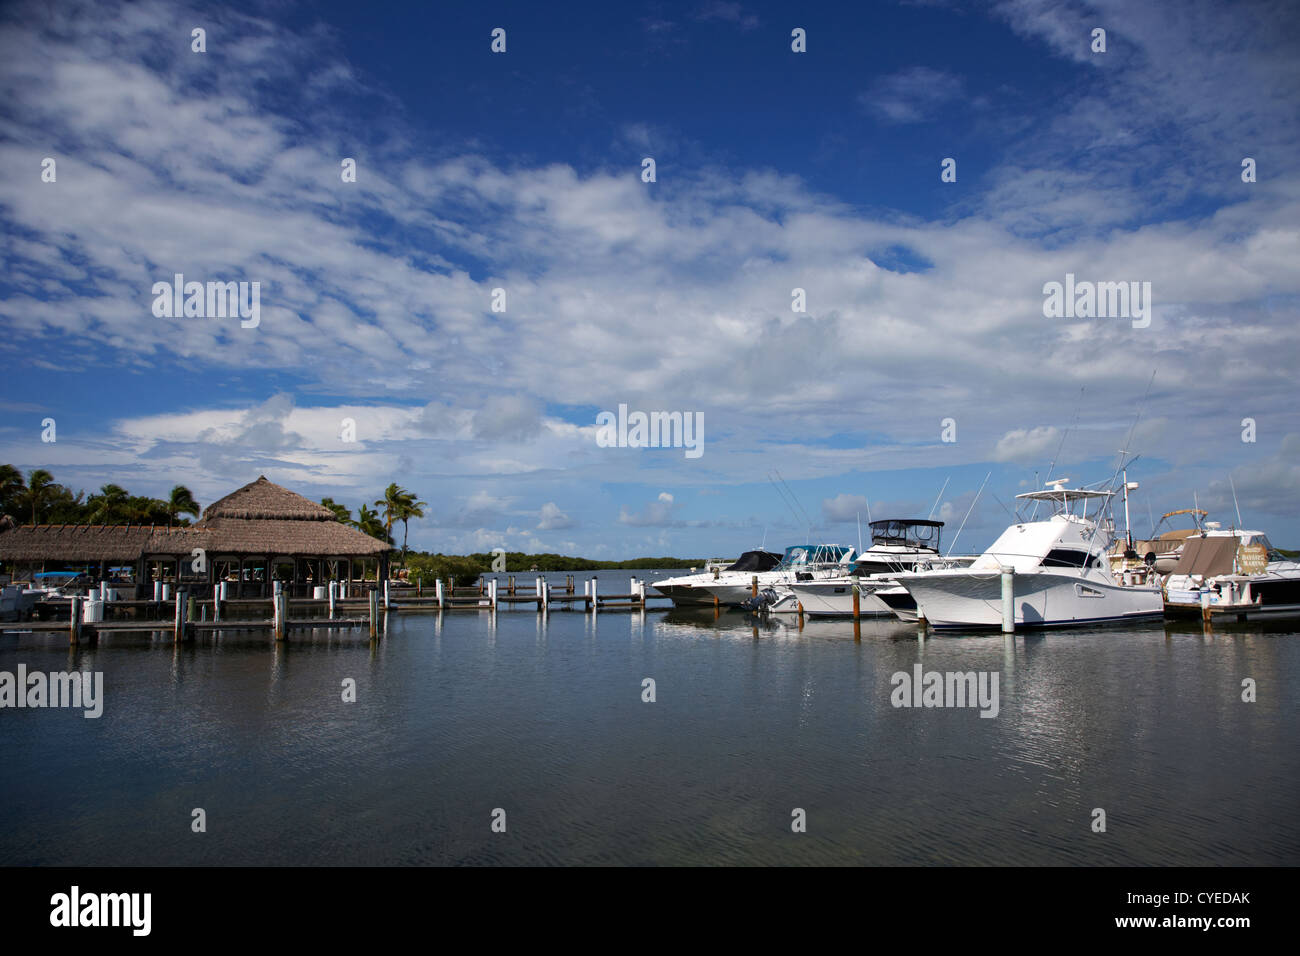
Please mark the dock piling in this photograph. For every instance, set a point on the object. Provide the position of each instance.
(178, 626)
(374, 615)
(74, 629)
(1008, 599)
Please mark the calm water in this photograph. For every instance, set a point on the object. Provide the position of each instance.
(459, 715)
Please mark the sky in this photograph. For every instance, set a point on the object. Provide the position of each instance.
(923, 367)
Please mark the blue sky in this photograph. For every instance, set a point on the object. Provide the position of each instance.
(775, 170)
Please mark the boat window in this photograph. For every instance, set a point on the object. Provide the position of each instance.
(1065, 558)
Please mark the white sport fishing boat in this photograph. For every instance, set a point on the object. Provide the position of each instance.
(687, 589)
(1060, 572)
(1233, 575)
(897, 544)
(808, 562)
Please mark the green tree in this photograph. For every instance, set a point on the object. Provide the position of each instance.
(181, 502)
(370, 522)
(13, 491)
(109, 506)
(41, 489)
(341, 512)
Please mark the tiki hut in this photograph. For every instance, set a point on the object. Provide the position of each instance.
(250, 538)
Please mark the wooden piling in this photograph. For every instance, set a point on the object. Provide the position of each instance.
(216, 602)
(753, 586)
(374, 615)
(178, 626)
(334, 588)
(74, 626)
(857, 613)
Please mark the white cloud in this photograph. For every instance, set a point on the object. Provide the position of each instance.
(1027, 444)
(552, 518)
(844, 507)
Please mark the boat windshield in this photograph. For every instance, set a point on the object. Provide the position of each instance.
(802, 555)
(908, 532)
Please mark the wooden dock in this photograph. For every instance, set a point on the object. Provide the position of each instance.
(188, 613)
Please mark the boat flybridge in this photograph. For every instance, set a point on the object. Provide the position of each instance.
(688, 589)
(1233, 575)
(897, 544)
(805, 562)
(1059, 571)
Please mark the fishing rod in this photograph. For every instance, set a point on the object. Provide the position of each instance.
(940, 498)
(953, 543)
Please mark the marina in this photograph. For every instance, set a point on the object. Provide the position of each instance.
(542, 716)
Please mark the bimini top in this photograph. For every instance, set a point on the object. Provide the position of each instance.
(755, 561)
(919, 532)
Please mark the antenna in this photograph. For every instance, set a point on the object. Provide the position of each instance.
(1004, 507)
(859, 532)
(940, 498)
(953, 543)
(1059, 448)
(1152, 515)
(1240, 525)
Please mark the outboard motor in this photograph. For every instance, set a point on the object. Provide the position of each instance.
(762, 601)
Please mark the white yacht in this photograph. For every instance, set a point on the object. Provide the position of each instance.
(897, 544)
(1060, 571)
(800, 563)
(687, 589)
(1234, 575)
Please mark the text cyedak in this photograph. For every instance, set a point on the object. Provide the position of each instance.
(652, 430)
(1098, 300)
(948, 689)
(215, 300)
(56, 689)
(74, 909)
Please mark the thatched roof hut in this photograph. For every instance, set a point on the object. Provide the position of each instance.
(260, 525)
(264, 518)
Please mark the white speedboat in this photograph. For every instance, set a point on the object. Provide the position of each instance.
(808, 562)
(1233, 575)
(897, 544)
(687, 589)
(1060, 572)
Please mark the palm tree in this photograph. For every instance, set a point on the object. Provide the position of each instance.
(341, 512)
(41, 487)
(369, 522)
(411, 508)
(12, 490)
(181, 502)
(110, 505)
(392, 504)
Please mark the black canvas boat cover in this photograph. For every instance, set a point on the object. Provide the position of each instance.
(755, 561)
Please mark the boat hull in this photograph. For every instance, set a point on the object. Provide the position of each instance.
(1043, 599)
(835, 599)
